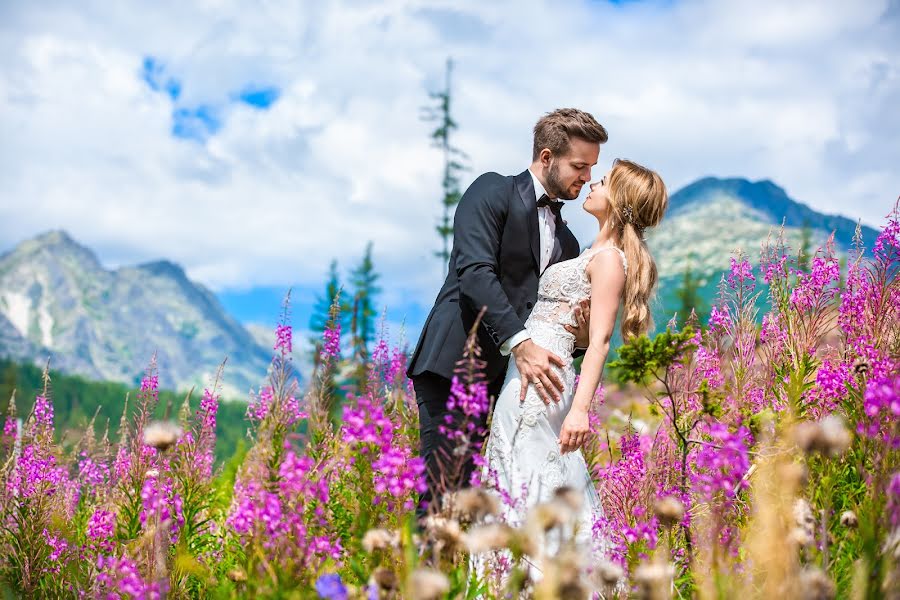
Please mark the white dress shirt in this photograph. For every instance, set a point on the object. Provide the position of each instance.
(547, 228)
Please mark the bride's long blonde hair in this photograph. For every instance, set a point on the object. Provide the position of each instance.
(637, 200)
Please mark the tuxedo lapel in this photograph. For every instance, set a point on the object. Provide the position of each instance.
(526, 193)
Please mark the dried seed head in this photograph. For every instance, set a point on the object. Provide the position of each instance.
(800, 536)
(815, 585)
(162, 435)
(829, 436)
(608, 574)
(804, 531)
(473, 504)
(836, 438)
(794, 475)
(384, 579)
(427, 584)
(570, 497)
(849, 519)
(806, 435)
(490, 537)
(548, 515)
(669, 511)
(654, 580)
(378, 539)
(446, 532)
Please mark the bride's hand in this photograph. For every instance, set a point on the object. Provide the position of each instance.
(574, 432)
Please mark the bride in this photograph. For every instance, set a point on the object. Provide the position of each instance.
(534, 447)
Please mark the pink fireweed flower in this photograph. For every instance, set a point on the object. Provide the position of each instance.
(399, 474)
(101, 528)
(818, 286)
(43, 413)
(366, 423)
(59, 549)
(887, 245)
(36, 472)
(331, 348)
(775, 269)
(741, 272)
(893, 507)
(283, 339)
(158, 498)
(720, 466)
(259, 406)
(120, 578)
(209, 407)
(719, 320)
(10, 427)
(832, 380)
(293, 411)
(466, 406)
(707, 362)
(92, 474)
(881, 404)
(772, 333)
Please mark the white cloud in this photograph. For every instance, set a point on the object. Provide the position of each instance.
(804, 93)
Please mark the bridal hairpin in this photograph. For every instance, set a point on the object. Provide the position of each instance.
(628, 213)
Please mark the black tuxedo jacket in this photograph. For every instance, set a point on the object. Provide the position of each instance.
(495, 264)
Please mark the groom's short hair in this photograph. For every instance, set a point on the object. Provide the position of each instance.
(554, 130)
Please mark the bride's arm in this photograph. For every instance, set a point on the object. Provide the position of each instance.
(607, 277)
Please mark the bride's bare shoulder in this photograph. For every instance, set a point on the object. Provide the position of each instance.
(607, 266)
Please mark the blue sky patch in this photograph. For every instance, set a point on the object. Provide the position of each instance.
(153, 72)
(197, 123)
(259, 97)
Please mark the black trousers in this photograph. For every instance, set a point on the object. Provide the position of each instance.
(445, 471)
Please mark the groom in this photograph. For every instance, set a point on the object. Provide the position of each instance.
(506, 232)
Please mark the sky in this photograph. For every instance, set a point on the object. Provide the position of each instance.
(254, 142)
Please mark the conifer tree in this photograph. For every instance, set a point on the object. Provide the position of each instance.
(440, 113)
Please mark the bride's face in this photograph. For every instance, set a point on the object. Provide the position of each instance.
(597, 202)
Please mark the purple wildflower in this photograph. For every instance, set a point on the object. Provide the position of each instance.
(330, 587)
(283, 339)
(332, 342)
(741, 272)
(399, 474)
(720, 465)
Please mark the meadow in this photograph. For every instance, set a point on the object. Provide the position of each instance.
(749, 456)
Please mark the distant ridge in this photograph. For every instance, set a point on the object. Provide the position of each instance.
(58, 302)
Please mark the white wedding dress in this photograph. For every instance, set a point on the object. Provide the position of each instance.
(523, 461)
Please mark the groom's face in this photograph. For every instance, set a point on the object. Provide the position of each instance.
(566, 175)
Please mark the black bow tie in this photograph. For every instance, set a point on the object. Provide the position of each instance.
(555, 206)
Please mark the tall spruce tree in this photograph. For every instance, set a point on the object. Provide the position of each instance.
(365, 291)
(803, 256)
(688, 294)
(441, 114)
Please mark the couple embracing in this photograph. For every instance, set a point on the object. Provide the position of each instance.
(545, 302)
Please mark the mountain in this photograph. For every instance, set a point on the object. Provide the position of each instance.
(58, 302)
(710, 219)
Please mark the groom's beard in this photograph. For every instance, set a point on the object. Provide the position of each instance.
(555, 186)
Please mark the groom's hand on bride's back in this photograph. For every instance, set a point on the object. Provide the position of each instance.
(582, 329)
(535, 367)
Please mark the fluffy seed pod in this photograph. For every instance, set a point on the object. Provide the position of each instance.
(162, 435)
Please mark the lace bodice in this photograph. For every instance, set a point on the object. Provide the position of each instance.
(562, 286)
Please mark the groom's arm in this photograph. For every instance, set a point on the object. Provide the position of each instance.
(477, 229)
